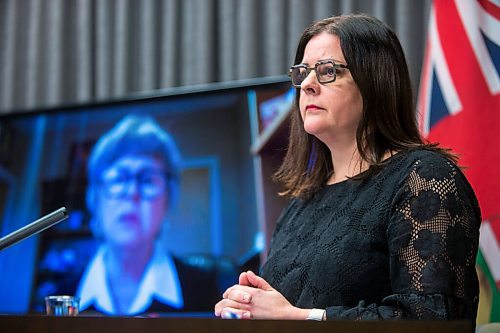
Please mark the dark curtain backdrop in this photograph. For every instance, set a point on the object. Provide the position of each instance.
(55, 52)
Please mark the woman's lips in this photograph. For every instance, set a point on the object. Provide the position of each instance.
(129, 218)
(313, 107)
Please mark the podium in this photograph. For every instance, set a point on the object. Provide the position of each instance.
(87, 324)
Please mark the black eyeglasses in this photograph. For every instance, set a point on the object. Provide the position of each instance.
(326, 72)
(150, 183)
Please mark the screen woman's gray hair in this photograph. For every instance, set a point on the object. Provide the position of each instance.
(134, 135)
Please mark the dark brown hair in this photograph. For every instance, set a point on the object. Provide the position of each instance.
(378, 66)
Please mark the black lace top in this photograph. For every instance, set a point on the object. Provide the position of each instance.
(400, 244)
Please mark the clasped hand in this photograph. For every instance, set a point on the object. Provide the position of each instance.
(253, 297)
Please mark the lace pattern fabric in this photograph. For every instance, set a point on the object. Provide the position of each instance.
(399, 244)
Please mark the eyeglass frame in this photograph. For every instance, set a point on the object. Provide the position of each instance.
(310, 69)
(135, 179)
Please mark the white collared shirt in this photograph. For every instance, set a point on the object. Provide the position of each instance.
(160, 281)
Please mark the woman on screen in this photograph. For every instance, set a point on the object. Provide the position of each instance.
(133, 175)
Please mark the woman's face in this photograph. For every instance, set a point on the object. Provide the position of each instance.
(132, 201)
(331, 111)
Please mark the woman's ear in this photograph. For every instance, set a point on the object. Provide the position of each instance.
(91, 199)
(95, 227)
(92, 202)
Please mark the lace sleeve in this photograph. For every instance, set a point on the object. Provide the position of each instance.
(433, 240)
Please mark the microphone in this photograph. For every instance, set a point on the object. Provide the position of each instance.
(33, 228)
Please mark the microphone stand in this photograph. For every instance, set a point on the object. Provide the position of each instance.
(33, 228)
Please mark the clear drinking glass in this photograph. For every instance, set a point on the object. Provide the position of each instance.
(62, 305)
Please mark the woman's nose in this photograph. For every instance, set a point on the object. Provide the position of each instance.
(134, 190)
(310, 83)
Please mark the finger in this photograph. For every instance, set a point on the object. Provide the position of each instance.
(217, 309)
(258, 282)
(224, 295)
(227, 303)
(228, 290)
(219, 306)
(240, 288)
(243, 280)
(230, 313)
(239, 296)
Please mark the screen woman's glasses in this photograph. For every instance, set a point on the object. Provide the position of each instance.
(150, 183)
(326, 72)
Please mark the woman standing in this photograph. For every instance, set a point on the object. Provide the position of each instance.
(380, 224)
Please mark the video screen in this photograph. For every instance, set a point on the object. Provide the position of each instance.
(162, 199)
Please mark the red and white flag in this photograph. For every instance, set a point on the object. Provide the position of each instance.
(459, 103)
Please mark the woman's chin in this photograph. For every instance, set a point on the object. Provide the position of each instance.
(313, 127)
(125, 241)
